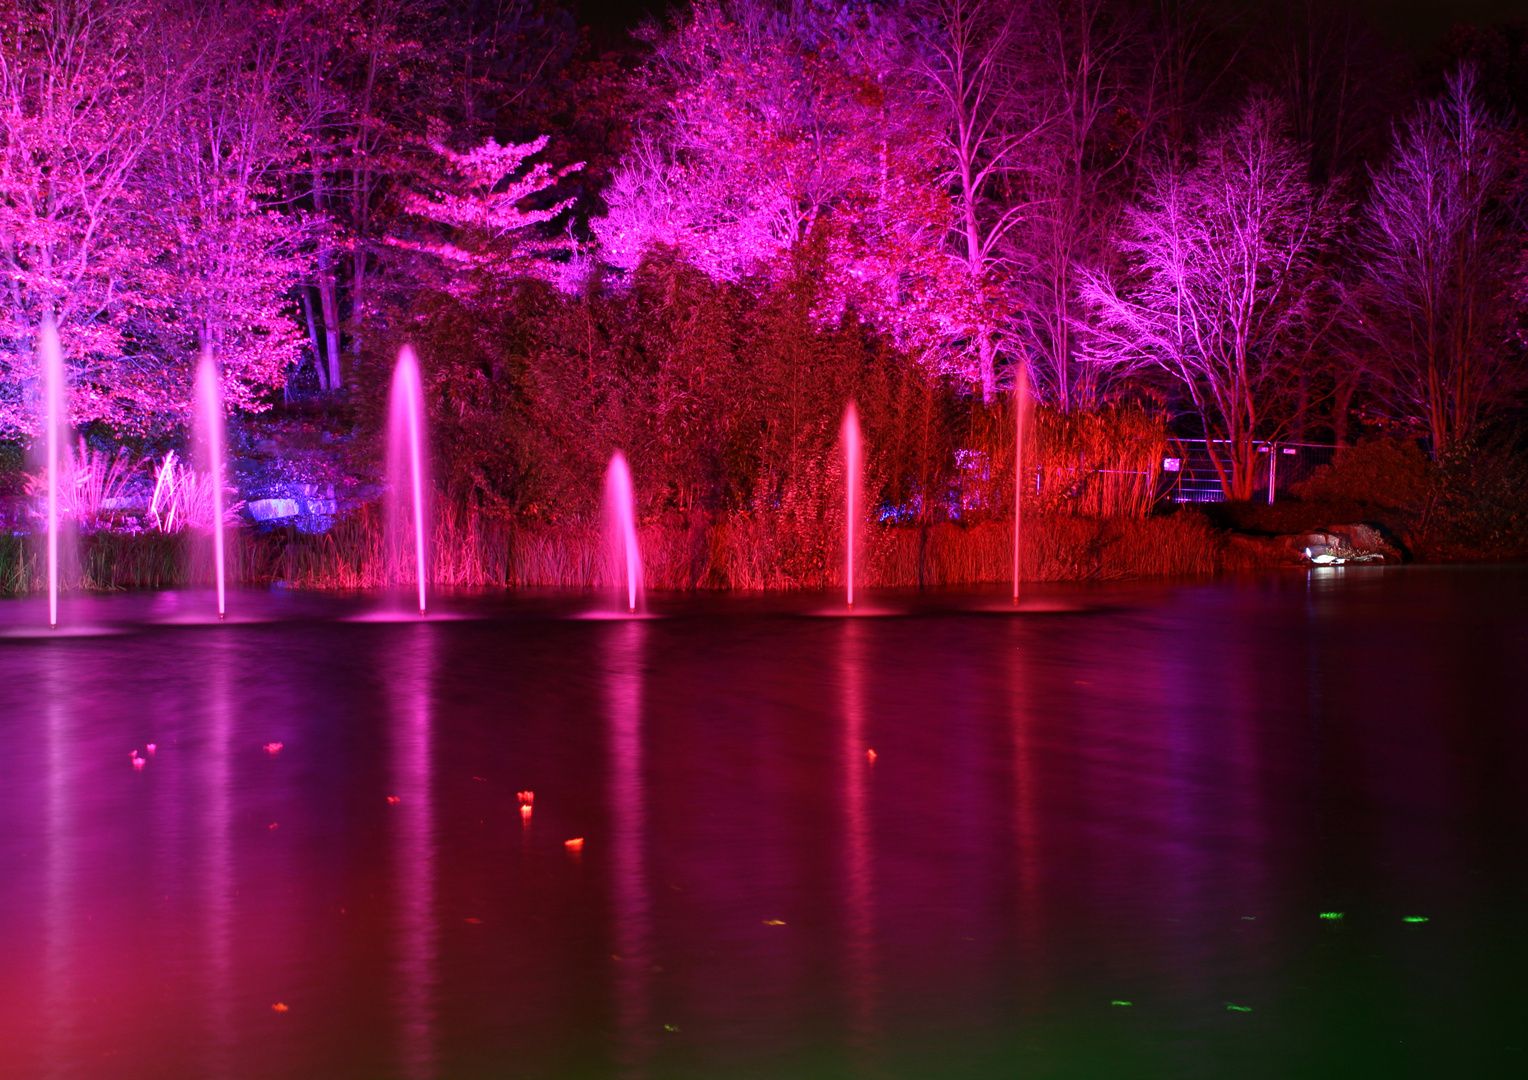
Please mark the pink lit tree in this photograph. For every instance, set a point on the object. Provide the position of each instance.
(1443, 269)
(232, 249)
(476, 218)
(1222, 289)
(78, 111)
(972, 61)
(784, 134)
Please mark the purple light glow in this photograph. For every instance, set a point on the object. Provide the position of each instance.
(851, 439)
(406, 459)
(54, 417)
(621, 529)
(209, 412)
(1020, 406)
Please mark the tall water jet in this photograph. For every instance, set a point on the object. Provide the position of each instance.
(55, 417)
(851, 439)
(407, 473)
(209, 422)
(1020, 408)
(621, 529)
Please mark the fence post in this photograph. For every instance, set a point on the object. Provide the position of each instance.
(1273, 469)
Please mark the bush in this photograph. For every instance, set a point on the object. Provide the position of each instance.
(1477, 506)
(1390, 473)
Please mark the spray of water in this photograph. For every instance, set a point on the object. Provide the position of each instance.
(621, 528)
(209, 415)
(851, 438)
(1020, 409)
(55, 417)
(406, 459)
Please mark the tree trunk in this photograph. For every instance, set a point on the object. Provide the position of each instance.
(318, 356)
(329, 303)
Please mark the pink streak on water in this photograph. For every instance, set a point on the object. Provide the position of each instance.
(406, 439)
(621, 527)
(851, 438)
(54, 419)
(209, 408)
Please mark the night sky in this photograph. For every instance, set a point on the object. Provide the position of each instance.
(1418, 24)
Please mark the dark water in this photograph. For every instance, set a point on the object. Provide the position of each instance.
(1152, 800)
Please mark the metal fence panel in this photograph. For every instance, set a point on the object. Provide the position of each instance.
(1189, 476)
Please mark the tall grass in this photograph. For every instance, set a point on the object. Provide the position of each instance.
(742, 552)
(1103, 462)
(733, 552)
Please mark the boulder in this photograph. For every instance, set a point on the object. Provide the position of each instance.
(1336, 545)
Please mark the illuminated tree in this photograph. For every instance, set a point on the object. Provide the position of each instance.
(1223, 288)
(232, 249)
(489, 233)
(1443, 268)
(792, 133)
(78, 111)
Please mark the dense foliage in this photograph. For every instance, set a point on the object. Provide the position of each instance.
(1250, 222)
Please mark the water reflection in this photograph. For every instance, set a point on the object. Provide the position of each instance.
(630, 914)
(61, 949)
(409, 686)
(218, 877)
(1150, 804)
(859, 884)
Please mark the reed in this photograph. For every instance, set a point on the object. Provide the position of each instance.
(742, 552)
(1104, 462)
(738, 551)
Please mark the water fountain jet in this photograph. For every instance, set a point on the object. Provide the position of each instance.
(406, 458)
(851, 439)
(54, 419)
(209, 411)
(621, 529)
(1020, 408)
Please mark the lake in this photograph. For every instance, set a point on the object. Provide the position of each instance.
(1264, 826)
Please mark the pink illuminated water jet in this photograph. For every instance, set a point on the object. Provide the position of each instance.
(55, 416)
(209, 415)
(621, 529)
(407, 475)
(851, 440)
(1020, 408)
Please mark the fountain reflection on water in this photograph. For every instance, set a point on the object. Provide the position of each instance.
(417, 926)
(622, 551)
(407, 471)
(209, 425)
(632, 930)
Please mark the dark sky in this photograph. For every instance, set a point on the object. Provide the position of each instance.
(1415, 23)
(1422, 23)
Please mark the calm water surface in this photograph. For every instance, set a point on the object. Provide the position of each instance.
(1150, 800)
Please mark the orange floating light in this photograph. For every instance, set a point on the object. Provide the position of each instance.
(576, 844)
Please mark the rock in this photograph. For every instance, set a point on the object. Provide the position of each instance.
(1336, 545)
(272, 509)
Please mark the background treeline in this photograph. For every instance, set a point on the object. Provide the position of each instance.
(694, 244)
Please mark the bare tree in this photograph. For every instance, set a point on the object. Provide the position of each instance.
(1443, 268)
(971, 55)
(211, 181)
(78, 110)
(1082, 55)
(1223, 291)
